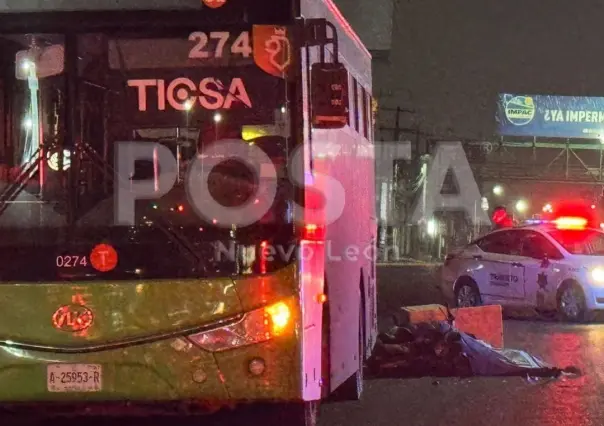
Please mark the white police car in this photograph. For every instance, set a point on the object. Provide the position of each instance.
(551, 266)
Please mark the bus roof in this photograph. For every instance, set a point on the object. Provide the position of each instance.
(346, 26)
(16, 6)
(352, 51)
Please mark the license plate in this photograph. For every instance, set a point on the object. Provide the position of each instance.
(74, 377)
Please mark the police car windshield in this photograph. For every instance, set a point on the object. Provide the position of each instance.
(581, 242)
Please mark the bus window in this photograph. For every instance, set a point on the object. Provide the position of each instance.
(368, 112)
(355, 104)
(34, 97)
(187, 109)
(364, 109)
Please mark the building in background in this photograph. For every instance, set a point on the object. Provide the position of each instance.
(373, 22)
(439, 69)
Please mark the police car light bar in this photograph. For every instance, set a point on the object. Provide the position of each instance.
(571, 222)
(535, 221)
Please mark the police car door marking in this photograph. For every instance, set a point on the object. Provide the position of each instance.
(502, 280)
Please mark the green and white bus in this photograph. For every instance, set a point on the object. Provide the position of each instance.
(178, 308)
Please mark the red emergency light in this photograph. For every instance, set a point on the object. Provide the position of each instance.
(575, 215)
(571, 222)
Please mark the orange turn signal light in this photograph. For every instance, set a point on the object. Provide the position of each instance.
(279, 315)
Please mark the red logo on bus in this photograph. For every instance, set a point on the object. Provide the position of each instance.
(214, 4)
(103, 258)
(72, 318)
(272, 49)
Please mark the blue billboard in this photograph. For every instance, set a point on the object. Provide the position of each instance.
(550, 116)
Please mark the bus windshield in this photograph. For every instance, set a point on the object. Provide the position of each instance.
(187, 90)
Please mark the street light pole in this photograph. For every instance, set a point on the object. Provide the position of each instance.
(217, 119)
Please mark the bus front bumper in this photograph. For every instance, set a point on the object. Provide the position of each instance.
(173, 371)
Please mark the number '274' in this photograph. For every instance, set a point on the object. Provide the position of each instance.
(71, 261)
(239, 46)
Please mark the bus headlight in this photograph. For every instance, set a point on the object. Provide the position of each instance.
(597, 274)
(256, 326)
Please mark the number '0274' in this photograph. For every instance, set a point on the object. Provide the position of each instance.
(71, 261)
(239, 46)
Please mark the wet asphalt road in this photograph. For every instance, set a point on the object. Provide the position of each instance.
(452, 402)
(509, 402)
(506, 402)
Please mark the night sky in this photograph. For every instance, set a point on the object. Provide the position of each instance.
(450, 59)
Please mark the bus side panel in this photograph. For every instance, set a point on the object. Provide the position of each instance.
(347, 157)
(351, 48)
(312, 276)
(348, 249)
(312, 273)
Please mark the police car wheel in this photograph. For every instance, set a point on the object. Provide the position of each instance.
(571, 303)
(467, 295)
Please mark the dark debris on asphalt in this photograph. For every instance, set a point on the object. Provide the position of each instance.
(437, 349)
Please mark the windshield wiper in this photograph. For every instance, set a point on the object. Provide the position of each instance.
(12, 191)
(179, 240)
(107, 170)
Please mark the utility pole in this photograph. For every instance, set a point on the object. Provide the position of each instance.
(398, 190)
